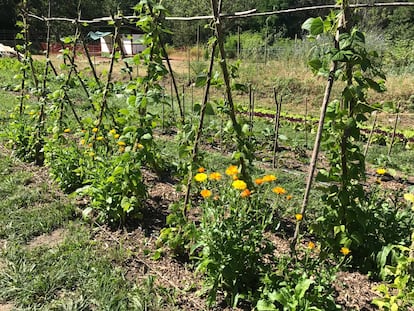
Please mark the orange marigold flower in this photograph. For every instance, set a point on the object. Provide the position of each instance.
(258, 181)
(232, 170)
(200, 177)
(345, 251)
(245, 193)
(279, 190)
(298, 217)
(205, 193)
(215, 176)
(381, 171)
(201, 170)
(311, 245)
(239, 184)
(268, 178)
(409, 197)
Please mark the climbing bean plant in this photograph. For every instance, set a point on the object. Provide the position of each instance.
(92, 144)
(348, 209)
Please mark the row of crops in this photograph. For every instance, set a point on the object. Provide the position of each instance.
(98, 135)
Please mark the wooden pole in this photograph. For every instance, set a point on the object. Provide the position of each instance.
(394, 132)
(370, 135)
(306, 122)
(318, 139)
(200, 127)
(278, 104)
(241, 142)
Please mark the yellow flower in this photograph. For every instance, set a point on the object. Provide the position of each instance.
(122, 149)
(116, 136)
(91, 154)
(82, 142)
(345, 251)
(66, 130)
(205, 193)
(239, 184)
(245, 193)
(409, 197)
(99, 138)
(95, 129)
(201, 170)
(258, 181)
(200, 177)
(121, 143)
(298, 217)
(268, 178)
(140, 146)
(289, 197)
(232, 170)
(279, 190)
(235, 177)
(381, 171)
(215, 176)
(112, 132)
(311, 245)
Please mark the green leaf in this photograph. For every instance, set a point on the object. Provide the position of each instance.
(240, 87)
(302, 287)
(146, 136)
(201, 80)
(315, 64)
(210, 110)
(264, 305)
(157, 255)
(315, 26)
(339, 229)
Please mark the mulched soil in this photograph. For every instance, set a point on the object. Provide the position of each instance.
(354, 290)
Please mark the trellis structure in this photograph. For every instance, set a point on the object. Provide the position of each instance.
(242, 144)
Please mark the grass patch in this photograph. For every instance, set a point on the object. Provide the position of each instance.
(28, 209)
(76, 275)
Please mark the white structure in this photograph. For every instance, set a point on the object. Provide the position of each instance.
(131, 44)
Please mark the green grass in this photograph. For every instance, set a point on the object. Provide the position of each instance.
(77, 274)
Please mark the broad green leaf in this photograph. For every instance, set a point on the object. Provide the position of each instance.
(146, 136)
(315, 26)
(264, 305)
(302, 287)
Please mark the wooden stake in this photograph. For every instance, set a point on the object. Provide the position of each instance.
(278, 104)
(200, 127)
(370, 135)
(395, 128)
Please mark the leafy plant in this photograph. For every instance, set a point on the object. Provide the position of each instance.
(232, 249)
(299, 285)
(399, 271)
